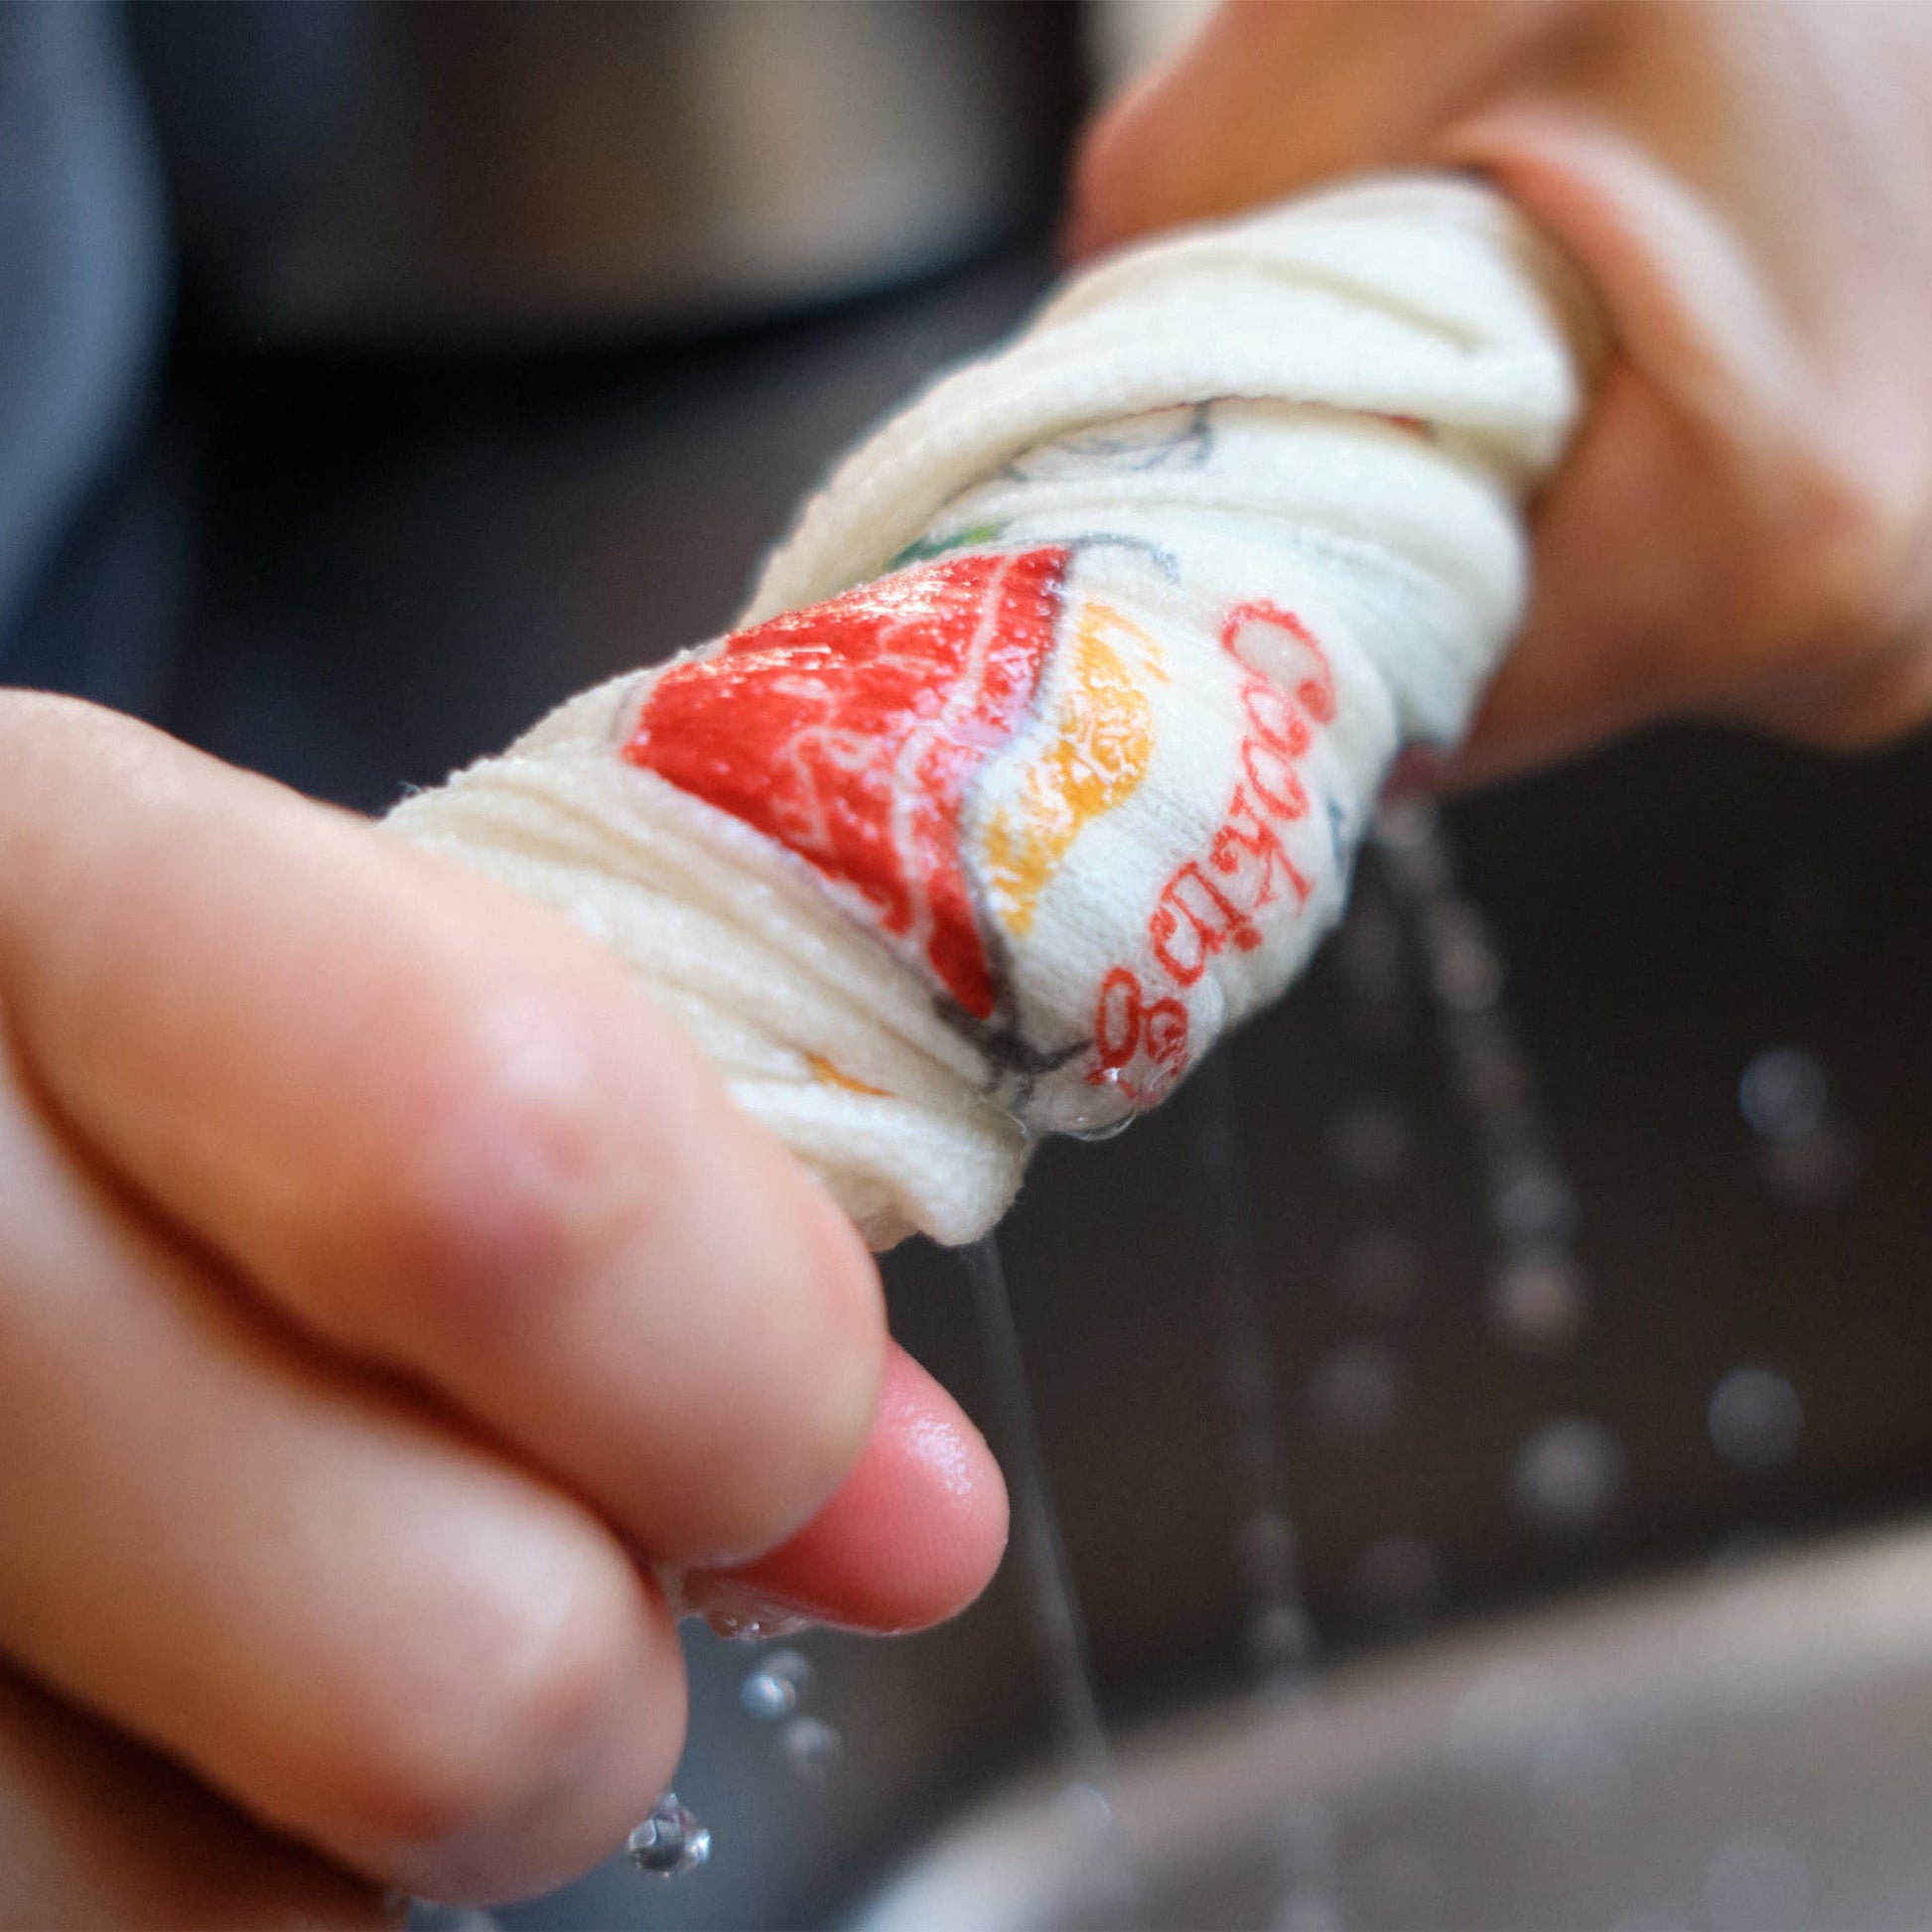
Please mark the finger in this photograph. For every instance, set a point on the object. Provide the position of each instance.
(1605, 644)
(1273, 98)
(1854, 705)
(913, 1535)
(370, 1632)
(95, 1832)
(437, 1124)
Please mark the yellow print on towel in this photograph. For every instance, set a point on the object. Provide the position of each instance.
(1098, 757)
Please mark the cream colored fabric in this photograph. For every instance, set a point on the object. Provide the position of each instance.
(1168, 581)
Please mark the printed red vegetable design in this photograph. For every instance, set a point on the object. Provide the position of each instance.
(852, 733)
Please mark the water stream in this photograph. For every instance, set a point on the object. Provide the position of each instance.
(1083, 1752)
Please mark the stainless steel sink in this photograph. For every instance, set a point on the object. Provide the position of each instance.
(1745, 1750)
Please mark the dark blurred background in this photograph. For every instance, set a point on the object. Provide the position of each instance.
(423, 364)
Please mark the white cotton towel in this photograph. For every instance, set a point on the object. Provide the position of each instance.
(1113, 637)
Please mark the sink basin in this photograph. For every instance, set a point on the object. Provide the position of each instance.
(1744, 1749)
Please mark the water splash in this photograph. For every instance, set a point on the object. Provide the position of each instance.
(670, 1842)
(1783, 1095)
(1052, 1601)
(1569, 1476)
(1538, 1301)
(1278, 1633)
(1756, 1417)
(427, 1915)
(1110, 1885)
(1371, 1143)
(766, 1697)
(811, 1748)
(771, 1690)
(1355, 1390)
(1540, 1297)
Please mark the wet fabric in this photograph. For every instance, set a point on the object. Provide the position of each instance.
(1042, 754)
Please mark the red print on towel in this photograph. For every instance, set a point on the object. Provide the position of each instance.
(852, 731)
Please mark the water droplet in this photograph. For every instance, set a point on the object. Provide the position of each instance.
(766, 1697)
(1568, 1474)
(1396, 1583)
(1405, 824)
(1469, 977)
(1783, 1095)
(1268, 1544)
(1530, 1201)
(1816, 1169)
(1464, 965)
(811, 1748)
(1494, 1077)
(670, 1842)
(427, 1915)
(1370, 946)
(1371, 1142)
(737, 1628)
(1756, 1881)
(1356, 1389)
(1538, 1300)
(1380, 1271)
(1085, 1808)
(1756, 1417)
(793, 1666)
(1092, 1110)
(1280, 1641)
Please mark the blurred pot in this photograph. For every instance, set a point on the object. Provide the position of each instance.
(421, 173)
(1745, 1750)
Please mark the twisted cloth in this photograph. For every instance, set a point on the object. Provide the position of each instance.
(1041, 755)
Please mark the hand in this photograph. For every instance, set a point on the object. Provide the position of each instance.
(381, 1282)
(1744, 526)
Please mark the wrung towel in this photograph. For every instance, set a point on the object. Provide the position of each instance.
(1040, 757)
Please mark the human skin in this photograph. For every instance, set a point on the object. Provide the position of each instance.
(384, 1291)
(1744, 528)
(380, 1282)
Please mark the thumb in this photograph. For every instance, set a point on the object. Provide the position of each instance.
(1271, 98)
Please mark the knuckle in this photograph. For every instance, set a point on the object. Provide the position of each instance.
(505, 1697)
(803, 1425)
(836, 1335)
(1847, 539)
(1880, 700)
(506, 1188)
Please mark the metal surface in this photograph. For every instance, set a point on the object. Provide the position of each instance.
(439, 173)
(1740, 1750)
